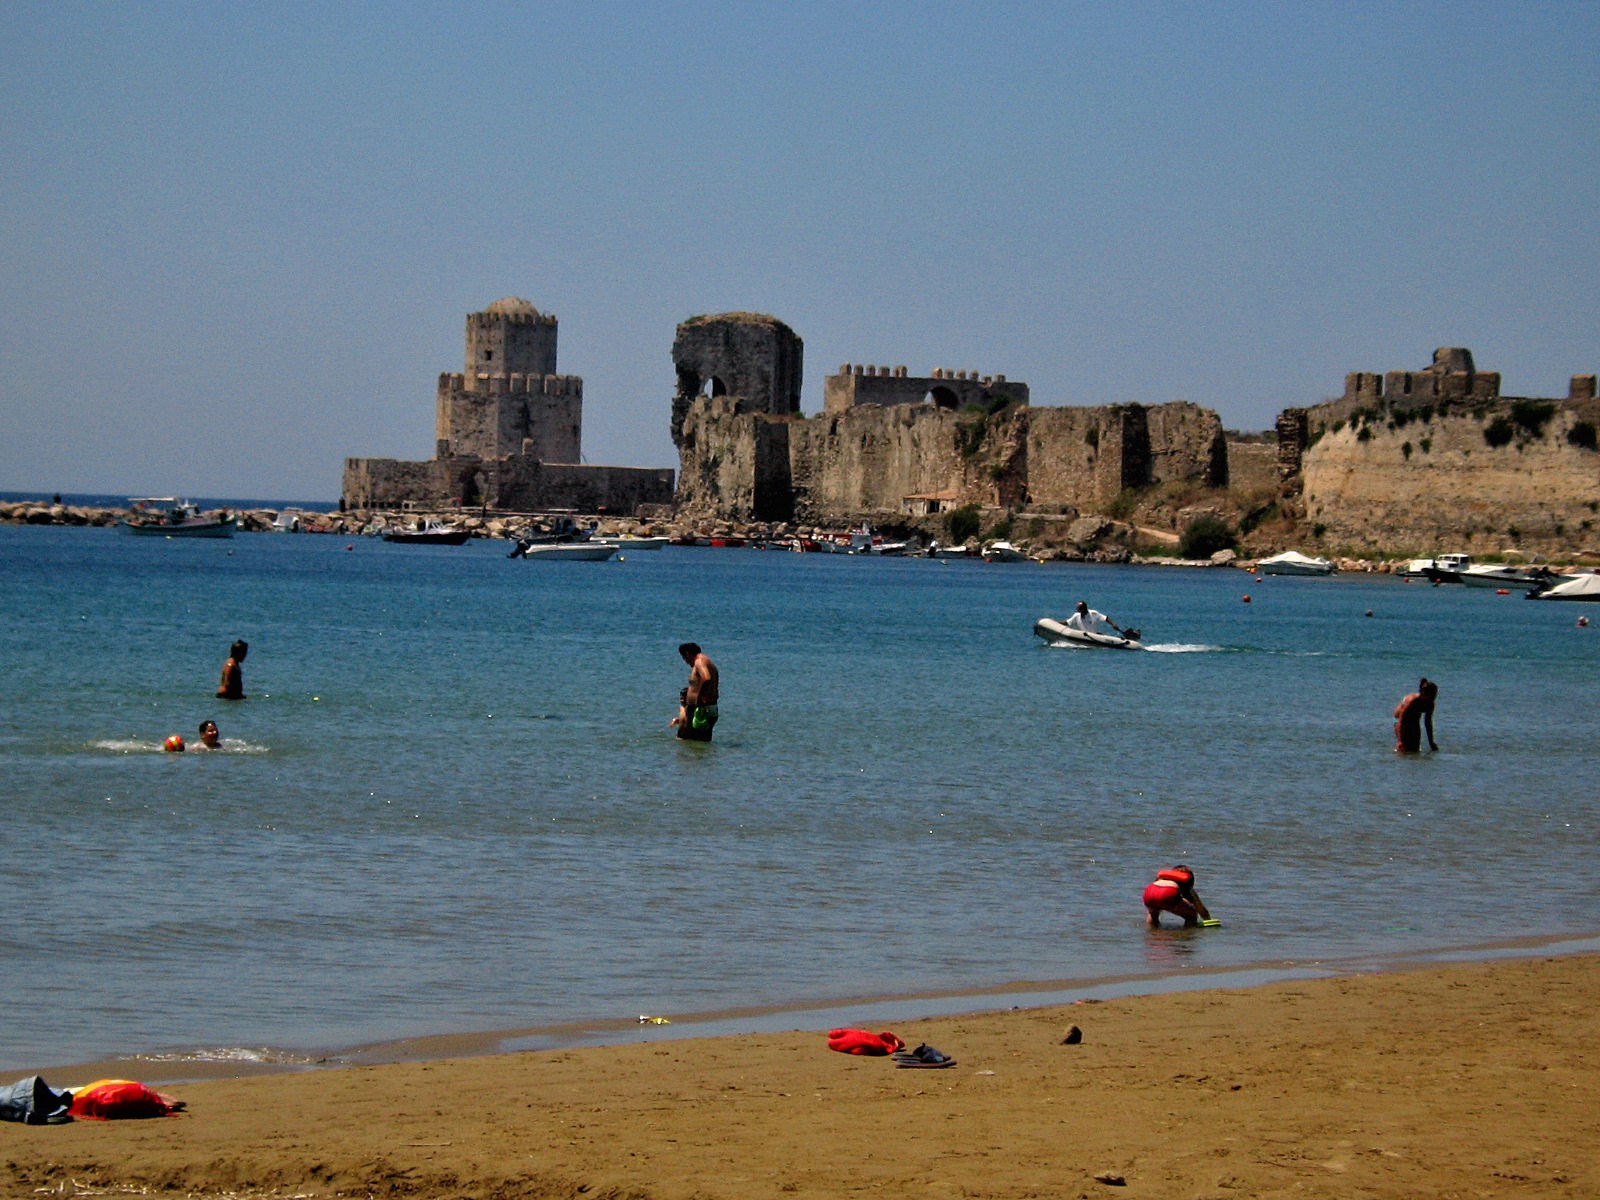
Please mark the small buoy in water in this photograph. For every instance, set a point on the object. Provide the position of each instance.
(175, 742)
(622, 558)
(1502, 591)
(1583, 622)
(1369, 612)
(1247, 597)
(350, 546)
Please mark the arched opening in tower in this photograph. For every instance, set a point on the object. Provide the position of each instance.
(943, 397)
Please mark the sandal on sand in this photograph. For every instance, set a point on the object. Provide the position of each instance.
(923, 1056)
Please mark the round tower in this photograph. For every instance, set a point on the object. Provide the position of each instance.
(510, 337)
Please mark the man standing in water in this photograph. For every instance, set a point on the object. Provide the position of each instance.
(1414, 713)
(698, 716)
(232, 685)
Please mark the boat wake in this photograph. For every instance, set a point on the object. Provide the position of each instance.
(1180, 648)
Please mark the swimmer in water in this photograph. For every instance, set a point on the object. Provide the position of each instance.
(231, 686)
(209, 737)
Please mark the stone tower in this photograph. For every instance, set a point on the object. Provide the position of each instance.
(509, 399)
(511, 337)
(750, 356)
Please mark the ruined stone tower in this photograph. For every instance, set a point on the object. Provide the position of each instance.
(509, 399)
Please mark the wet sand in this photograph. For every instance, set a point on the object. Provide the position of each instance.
(1473, 1080)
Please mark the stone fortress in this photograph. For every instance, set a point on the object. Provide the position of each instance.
(1411, 460)
(1440, 459)
(889, 444)
(509, 434)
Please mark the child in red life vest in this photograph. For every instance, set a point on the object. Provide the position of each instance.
(1173, 891)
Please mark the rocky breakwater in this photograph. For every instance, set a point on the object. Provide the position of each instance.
(34, 512)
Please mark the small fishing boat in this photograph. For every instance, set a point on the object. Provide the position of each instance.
(428, 533)
(1054, 631)
(566, 551)
(168, 516)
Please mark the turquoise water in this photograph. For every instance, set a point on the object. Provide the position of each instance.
(452, 802)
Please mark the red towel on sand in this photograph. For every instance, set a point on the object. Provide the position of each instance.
(108, 1099)
(859, 1041)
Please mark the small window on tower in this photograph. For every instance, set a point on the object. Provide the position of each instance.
(488, 355)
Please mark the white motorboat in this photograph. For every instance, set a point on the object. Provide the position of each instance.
(1055, 631)
(1003, 552)
(1505, 575)
(569, 551)
(1292, 562)
(1447, 568)
(1573, 587)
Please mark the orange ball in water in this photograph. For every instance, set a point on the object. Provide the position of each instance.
(1247, 597)
(175, 742)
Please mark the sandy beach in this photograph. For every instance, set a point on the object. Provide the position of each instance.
(1473, 1080)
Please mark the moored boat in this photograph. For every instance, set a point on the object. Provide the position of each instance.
(1292, 562)
(1506, 575)
(1003, 552)
(168, 516)
(428, 533)
(590, 551)
(1573, 587)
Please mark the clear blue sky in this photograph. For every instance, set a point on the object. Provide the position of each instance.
(240, 241)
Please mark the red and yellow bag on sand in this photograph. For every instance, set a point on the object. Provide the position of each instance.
(110, 1099)
(859, 1041)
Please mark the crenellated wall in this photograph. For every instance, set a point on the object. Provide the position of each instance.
(874, 458)
(1437, 460)
(493, 416)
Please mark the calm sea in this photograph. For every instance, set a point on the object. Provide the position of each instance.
(452, 802)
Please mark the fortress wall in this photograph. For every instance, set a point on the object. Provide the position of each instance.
(390, 482)
(1186, 442)
(1073, 458)
(1253, 466)
(868, 459)
(1454, 491)
(717, 453)
(547, 426)
(526, 485)
(498, 414)
(858, 383)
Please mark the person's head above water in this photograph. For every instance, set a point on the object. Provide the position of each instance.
(209, 735)
(690, 651)
(239, 649)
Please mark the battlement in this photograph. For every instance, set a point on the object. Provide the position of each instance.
(868, 383)
(530, 317)
(515, 384)
(937, 373)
